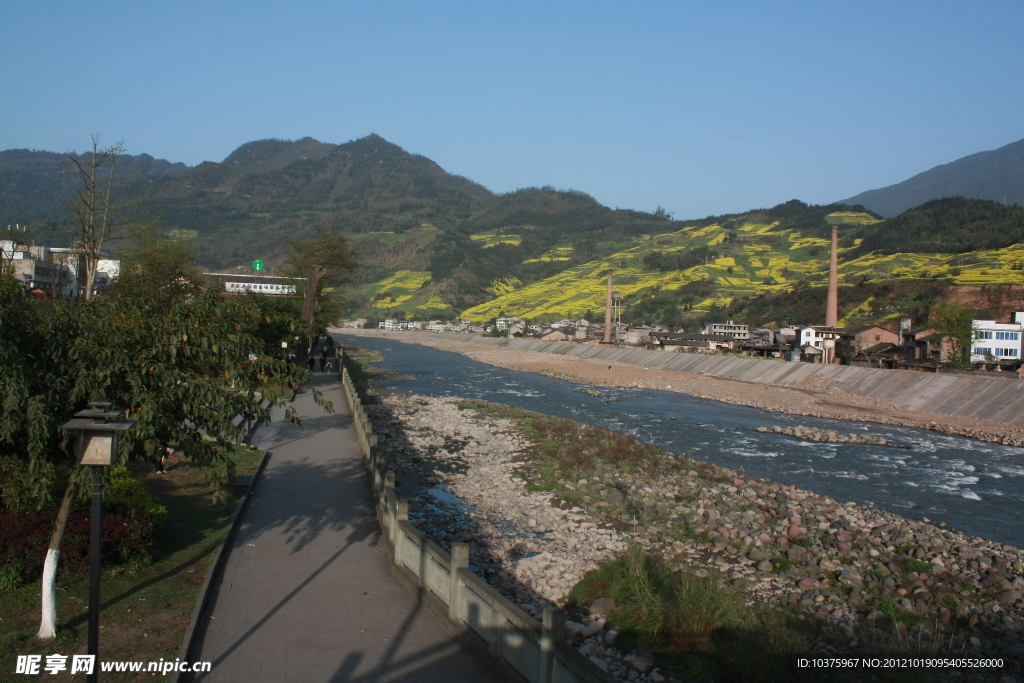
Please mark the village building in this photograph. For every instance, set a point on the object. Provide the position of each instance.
(638, 336)
(997, 344)
(690, 342)
(551, 334)
(738, 332)
(817, 343)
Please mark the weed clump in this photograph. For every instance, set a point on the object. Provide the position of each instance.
(659, 609)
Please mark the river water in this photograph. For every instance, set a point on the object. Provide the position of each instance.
(975, 487)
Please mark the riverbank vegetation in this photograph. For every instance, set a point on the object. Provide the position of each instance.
(734, 576)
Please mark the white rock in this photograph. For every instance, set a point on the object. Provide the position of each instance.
(593, 628)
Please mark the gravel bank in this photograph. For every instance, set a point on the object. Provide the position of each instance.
(862, 575)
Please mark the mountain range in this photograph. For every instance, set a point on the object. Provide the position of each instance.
(435, 244)
(997, 175)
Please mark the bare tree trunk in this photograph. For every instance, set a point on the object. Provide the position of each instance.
(309, 305)
(48, 622)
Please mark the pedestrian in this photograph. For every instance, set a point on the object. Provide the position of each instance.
(311, 363)
(330, 366)
(322, 360)
(161, 465)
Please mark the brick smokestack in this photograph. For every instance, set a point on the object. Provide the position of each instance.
(832, 306)
(608, 312)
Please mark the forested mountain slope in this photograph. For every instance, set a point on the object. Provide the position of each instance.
(433, 244)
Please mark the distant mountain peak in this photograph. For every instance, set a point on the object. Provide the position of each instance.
(996, 175)
(275, 154)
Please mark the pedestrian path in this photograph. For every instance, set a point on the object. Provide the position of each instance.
(306, 594)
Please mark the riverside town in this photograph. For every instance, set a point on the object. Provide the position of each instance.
(649, 343)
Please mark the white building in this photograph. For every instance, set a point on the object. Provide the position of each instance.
(739, 332)
(504, 321)
(997, 341)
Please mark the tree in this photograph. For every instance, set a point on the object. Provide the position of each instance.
(98, 213)
(182, 361)
(955, 322)
(37, 378)
(326, 261)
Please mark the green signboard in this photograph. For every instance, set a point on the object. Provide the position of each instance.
(257, 265)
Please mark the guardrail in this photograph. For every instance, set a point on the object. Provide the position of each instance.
(534, 649)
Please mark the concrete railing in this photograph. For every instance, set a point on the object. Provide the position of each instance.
(536, 650)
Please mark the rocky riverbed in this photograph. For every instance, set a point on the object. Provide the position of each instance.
(824, 435)
(864, 576)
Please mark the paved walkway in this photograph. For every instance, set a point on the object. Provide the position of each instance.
(306, 593)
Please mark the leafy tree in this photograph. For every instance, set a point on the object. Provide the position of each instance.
(326, 261)
(955, 322)
(184, 362)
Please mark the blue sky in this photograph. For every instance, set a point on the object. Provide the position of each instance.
(702, 108)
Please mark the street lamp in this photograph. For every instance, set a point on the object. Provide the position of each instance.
(98, 428)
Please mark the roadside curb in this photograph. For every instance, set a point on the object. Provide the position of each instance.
(216, 569)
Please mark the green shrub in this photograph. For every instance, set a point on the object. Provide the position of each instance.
(913, 565)
(125, 495)
(11, 574)
(17, 492)
(656, 608)
(951, 602)
(782, 563)
(888, 606)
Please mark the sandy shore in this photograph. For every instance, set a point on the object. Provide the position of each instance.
(807, 400)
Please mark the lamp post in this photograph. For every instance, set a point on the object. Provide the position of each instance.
(98, 428)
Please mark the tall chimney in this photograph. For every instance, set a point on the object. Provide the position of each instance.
(608, 312)
(832, 306)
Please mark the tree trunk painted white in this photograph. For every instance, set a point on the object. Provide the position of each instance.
(48, 624)
(48, 621)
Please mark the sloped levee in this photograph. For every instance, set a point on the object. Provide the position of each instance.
(990, 399)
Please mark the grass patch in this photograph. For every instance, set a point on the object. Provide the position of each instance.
(888, 606)
(145, 610)
(912, 565)
(658, 609)
(696, 628)
(782, 563)
(570, 446)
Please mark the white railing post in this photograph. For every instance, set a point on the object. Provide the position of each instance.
(552, 631)
(460, 560)
(401, 515)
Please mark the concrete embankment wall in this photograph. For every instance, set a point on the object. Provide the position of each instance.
(1001, 400)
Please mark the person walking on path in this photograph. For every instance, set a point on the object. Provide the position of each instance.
(161, 464)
